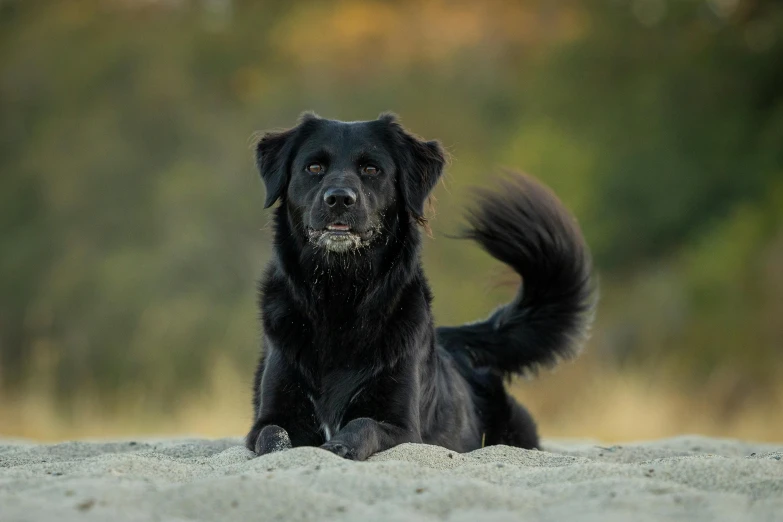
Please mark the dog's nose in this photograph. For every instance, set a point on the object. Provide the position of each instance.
(340, 197)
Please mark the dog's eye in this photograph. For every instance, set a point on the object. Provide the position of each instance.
(315, 168)
(370, 170)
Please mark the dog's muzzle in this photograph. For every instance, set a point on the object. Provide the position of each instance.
(339, 237)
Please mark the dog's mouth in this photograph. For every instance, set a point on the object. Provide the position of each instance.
(338, 229)
(339, 237)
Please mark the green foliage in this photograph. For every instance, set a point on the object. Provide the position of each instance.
(131, 228)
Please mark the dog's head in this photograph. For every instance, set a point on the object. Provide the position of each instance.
(341, 182)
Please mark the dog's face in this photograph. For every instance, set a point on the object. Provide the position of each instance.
(340, 181)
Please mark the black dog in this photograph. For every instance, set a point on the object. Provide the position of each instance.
(352, 362)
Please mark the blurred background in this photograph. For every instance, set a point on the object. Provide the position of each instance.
(132, 231)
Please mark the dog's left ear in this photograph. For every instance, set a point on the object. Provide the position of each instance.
(421, 167)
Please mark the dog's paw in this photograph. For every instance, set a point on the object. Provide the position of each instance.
(340, 449)
(272, 438)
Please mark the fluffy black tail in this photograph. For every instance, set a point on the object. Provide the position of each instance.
(524, 225)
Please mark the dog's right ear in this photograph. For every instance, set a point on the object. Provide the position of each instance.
(272, 152)
(273, 156)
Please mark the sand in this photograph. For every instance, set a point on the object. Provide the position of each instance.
(686, 478)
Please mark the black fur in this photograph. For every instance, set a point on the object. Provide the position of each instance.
(352, 361)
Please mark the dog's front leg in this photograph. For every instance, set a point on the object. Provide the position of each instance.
(385, 414)
(363, 437)
(282, 427)
(268, 438)
(284, 415)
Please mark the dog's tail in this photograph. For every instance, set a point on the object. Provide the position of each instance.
(528, 228)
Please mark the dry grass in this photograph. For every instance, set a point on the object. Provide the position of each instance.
(584, 401)
(580, 400)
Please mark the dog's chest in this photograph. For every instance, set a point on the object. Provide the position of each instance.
(333, 398)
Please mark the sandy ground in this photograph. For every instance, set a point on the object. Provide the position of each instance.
(687, 478)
